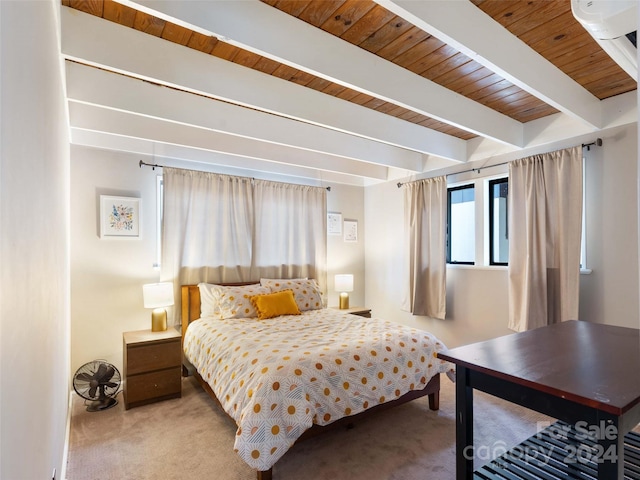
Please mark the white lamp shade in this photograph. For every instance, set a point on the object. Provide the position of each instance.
(157, 295)
(344, 283)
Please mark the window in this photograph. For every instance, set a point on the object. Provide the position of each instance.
(461, 228)
(498, 222)
(478, 221)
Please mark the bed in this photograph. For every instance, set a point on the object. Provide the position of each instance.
(284, 368)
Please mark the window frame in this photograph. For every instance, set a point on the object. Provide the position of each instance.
(470, 185)
(490, 200)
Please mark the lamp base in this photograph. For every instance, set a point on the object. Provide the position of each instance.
(344, 300)
(159, 320)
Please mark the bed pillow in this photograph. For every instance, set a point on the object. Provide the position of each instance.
(305, 291)
(223, 302)
(269, 305)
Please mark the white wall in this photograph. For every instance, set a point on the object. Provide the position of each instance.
(107, 274)
(346, 257)
(477, 302)
(34, 246)
(610, 294)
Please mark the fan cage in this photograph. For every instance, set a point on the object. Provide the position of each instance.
(98, 382)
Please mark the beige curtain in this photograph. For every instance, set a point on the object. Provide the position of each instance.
(207, 227)
(291, 231)
(221, 229)
(545, 227)
(425, 217)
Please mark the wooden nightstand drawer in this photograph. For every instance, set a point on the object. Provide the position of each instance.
(152, 366)
(143, 358)
(154, 386)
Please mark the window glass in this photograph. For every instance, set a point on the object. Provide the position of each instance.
(498, 222)
(461, 226)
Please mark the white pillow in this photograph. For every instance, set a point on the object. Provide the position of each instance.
(305, 291)
(222, 302)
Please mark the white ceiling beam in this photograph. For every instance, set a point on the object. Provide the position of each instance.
(457, 24)
(172, 155)
(100, 87)
(258, 27)
(90, 117)
(160, 61)
(548, 131)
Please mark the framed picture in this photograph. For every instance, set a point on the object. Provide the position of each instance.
(351, 231)
(334, 223)
(119, 217)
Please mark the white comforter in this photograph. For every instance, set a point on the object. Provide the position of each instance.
(279, 376)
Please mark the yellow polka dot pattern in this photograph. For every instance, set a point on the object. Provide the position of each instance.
(276, 377)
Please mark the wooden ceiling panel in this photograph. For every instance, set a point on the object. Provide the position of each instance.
(119, 13)
(316, 13)
(537, 17)
(343, 18)
(266, 65)
(176, 34)
(550, 29)
(93, 7)
(224, 50)
(368, 25)
(246, 58)
(547, 27)
(149, 24)
(409, 39)
(292, 7)
(202, 43)
(418, 52)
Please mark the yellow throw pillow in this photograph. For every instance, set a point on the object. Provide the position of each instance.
(271, 305)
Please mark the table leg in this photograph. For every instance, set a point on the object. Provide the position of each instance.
(610, 450)
(464, 425)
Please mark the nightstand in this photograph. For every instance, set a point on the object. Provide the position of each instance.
(361, 311)
(152, 366)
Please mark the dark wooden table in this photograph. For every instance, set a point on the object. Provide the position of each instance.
(586, 375)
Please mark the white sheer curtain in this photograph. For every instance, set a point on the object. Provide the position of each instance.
(290, 231)
(207, 227)
(545, 227)
(221, 228)
(425, 217)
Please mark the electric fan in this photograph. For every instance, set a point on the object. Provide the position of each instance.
(98, 382)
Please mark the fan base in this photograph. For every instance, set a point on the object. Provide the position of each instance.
(100, 405)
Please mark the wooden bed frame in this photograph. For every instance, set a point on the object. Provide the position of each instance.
(191, 311)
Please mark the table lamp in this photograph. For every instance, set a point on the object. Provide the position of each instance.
(158, 296)
(343, 284)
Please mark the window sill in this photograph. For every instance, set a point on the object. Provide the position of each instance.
(457, 266)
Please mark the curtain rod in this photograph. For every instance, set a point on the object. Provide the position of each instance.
(597, 142)
(154, 165)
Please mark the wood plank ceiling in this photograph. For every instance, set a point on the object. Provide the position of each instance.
(546, 27)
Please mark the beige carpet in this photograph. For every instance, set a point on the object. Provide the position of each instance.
(190, 438)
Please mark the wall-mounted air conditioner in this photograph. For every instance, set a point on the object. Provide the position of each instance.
(613, 24)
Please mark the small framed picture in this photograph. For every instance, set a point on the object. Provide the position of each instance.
(351, 231)
(119, 217)
(334, 223)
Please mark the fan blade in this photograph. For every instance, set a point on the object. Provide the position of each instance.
(101, 371)
(107, 374)
(110, 384)
(85, 377)
(92, 391)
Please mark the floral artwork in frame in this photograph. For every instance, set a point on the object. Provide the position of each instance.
(119, 216)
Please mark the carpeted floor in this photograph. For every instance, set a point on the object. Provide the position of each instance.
(190, 438)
